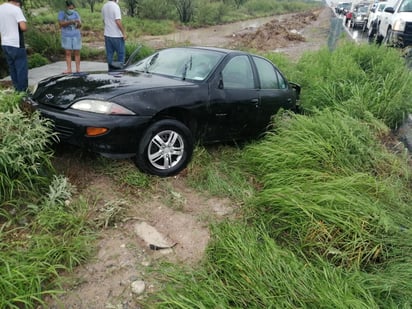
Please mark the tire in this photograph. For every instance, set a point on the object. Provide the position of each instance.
(165, 149)
(371, 30)
(379, 37)
(387, 40)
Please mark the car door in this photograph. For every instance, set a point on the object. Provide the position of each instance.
(274, 93)
(385, 19)
(234, 101)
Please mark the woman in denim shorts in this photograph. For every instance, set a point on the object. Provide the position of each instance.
(70, 23)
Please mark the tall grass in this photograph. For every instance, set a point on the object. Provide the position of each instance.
(42, 231)
(25, 162)
(332, 188)
(362, 79)
(218, 176)
(32, 257)
(278, 7)
(247, 269)
(329, 225)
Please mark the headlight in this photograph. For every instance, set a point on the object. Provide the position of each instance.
(399, 25)
(101, 107)
(35, 88)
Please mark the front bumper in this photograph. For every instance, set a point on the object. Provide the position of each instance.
(120, 141)
(402, 39)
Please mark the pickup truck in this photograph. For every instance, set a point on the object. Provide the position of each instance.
(395, 24)
(373, 18)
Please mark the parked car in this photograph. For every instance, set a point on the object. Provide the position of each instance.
(359, 15)
(373, 18)
(395, 24)
(155, 110)
(342, 8)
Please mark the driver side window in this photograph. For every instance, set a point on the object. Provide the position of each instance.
(238, 74)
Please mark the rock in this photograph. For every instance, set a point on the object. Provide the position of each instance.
(152, 237)
(138, 287)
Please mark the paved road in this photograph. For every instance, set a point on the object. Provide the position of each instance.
(55, 68)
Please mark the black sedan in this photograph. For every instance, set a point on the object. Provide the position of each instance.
(157, 109)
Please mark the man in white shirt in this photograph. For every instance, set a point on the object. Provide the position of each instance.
(12, 26)
(114, 33)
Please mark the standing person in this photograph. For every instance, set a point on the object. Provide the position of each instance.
(12, 26)
(114, 33)
(70, 23)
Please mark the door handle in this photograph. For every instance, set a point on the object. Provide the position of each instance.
(256, 102)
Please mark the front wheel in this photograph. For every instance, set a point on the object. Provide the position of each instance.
(165, 149)
(388, 39)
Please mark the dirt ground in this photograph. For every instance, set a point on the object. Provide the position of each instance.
(172, 215)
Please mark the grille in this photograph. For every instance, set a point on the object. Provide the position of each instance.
(408, 28)
(64, 132)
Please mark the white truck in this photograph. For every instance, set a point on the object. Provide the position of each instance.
(395, 24)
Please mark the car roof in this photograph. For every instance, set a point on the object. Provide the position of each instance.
(218, 49)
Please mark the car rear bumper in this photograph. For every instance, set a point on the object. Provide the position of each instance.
(120, 141)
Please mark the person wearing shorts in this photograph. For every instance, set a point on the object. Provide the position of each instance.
(70, 23)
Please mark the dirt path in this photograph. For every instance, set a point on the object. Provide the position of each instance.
(172, 214)
(290, 34)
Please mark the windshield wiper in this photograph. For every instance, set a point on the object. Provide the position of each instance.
(151, 62)
(188, 65)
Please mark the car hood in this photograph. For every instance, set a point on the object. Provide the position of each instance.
(63, 90)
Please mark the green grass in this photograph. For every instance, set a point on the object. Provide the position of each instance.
(25, 163)
(43, 231)
(326, 198)
(214, 170)
(329, 222)
(373, 81)
(55, 237)
(43, 36)
(246, 268)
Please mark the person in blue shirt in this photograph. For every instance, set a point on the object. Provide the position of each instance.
(70, 23)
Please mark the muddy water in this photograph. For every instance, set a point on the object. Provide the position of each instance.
(218, 36)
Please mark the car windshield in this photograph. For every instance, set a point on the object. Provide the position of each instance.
(406, 6)
(182, 63)
(381, 7)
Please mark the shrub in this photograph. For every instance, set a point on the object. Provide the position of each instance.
(37, 60)
(210, 13)
(25, 162)
(47, 43)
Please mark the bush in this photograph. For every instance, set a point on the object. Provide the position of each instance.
(43, 42)
(210, 13)
(43, 232)
(37, 60)
(156, 10)
(25, 162)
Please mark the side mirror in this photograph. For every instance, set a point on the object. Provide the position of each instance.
(389, 9)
